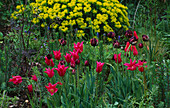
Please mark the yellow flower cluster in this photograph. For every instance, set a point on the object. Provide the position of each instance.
(100, 15)
(19, 11)
(80, 33)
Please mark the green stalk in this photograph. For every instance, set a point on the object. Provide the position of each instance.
(96, 89)
(75, 89)
(145, 83)
(65, 90)
(78, 83)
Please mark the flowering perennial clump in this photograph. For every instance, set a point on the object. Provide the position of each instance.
(103, 15)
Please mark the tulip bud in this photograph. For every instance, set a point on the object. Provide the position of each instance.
(73, 71)
(62, 62)
(145, 37)
(116, 44)
(128, 33)
(111, 35)
(77, 61)
(94, 42)
(86, 63)
(133, 40)
(30, 88)
(73, 65)
(62, 42)
(140, 45)
(49, 56)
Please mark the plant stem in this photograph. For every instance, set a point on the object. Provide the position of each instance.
(135, 14)
(65, 90)
(78, 84)
(145, 83)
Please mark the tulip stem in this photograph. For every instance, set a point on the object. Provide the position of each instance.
(78, 84)
(65, 90)
(145, 83)
(96, 88)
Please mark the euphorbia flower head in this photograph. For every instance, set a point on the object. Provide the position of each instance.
(52, 88)
(119, 60)
(94, 42)
(49, 62)
(99, 66)
(50, 72)
(79, 47)
(30, 89)
(132, 66)
(68, 58)
(61, 70)
(57, 54)
(135, 51)
(34, 77)
(140, 66)
(75, 55)
(16, 79)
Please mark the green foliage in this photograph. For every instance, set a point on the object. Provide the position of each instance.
(27, 44)
(5, 100)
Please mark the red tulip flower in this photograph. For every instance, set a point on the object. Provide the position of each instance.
(86, 63)
(128, 33)
(145, 38)
(79, 47)
(30, 89)
(50, 72)
(59, 83)
(140, 45)
(49, 62)
(132, 66)
(73, 71)
(61, 70)
(111, 34)
(62, 42)
(135, 34)
(34, 77)
(73, 63)
(119, 58)
(140, 66)
(94, 42)
(99, 66)
(62, 62)
(68, 58)
(16, 80)
(135, 51)
(127, 46)
(57, 55)
(74, 55)
(52, 88)
(116, 44)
